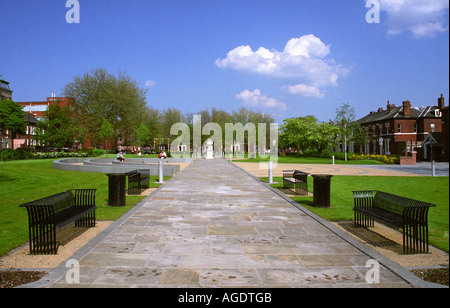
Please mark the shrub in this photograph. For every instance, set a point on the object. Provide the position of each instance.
(98, 152)
(45, 155)
(17, 154)
(387, 159)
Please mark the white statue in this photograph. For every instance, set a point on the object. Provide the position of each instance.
(209, 149)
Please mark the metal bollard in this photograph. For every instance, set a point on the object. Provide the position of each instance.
(270, 172)
(160, 172)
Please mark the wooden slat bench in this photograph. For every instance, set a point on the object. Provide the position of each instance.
(397, 212)
(296, 180)
(47, 216)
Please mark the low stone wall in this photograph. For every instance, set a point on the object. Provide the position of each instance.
(109, 165)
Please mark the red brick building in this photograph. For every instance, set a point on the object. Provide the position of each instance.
(38, 108)
(403, 129)
(19, 141)
(5, 91)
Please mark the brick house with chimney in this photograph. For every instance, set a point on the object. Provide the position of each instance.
(402, 130)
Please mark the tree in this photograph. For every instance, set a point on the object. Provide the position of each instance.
(344, 121)
(306, 133)
(102, 96)
(143, 135)
(170, 116)
(245, 116)
(58, 128)
(12, 118)
(298, 132)
(324, 136)
(106, 132)
(153, 120)
(360, 136)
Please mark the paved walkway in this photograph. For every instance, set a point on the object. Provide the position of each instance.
(420, 169)
(214, 225)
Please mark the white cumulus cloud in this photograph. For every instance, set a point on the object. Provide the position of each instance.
(305, 59)
(256, 99)
(421, 18)
(304, 90)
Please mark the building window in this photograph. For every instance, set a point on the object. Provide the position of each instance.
(432, 127)
(387, 146)
(399, 128)
(415, 128)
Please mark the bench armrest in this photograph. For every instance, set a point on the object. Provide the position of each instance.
(84, 197)
(363, 198)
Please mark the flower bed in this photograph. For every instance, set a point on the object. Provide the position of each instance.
(387, 159)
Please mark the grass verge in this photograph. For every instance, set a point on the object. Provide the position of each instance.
(429, 189)
(27, 180)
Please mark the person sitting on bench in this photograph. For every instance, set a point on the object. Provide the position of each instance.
(120, 157)
(162, 154)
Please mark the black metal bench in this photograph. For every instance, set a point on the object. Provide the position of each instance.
(138, 180)
(47, 217)
(296, 180)
(397, 212)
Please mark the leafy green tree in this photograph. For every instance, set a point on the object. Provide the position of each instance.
(360, 136)
(297, 132)
(102, 96)
(170, 116)
(58, 128)
(344, 121)
(306, 133)
(106, 132)
(143, 135)
(324, 136)
(153, 120)
(12, 118)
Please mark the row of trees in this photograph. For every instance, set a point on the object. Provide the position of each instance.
(108, 108)
(307, 133)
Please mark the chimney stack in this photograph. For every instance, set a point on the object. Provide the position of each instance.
(441, 102)
(390, 106)
(407, 108)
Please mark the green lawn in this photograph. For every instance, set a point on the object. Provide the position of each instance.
(429, 189)
(27, 180)
(310, 160)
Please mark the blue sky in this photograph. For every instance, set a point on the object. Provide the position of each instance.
(283, 57)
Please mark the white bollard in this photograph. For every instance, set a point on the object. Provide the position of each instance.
(333, 159)
(270, 172)
(433, 168)
(160, 172)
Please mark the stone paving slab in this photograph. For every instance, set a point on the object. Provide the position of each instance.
(214, 225)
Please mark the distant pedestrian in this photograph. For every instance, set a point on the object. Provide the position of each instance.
(162, 154)
(120, 157)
